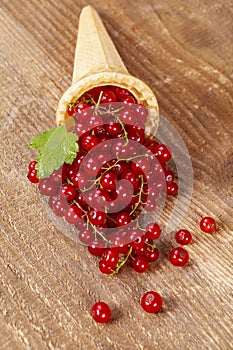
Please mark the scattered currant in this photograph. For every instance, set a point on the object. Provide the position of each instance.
(101, 312)
(178, 256)
(183, 237)
(208, 224)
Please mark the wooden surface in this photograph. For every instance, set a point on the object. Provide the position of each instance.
(183, 51)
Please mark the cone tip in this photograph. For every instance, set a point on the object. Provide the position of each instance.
(88, 8)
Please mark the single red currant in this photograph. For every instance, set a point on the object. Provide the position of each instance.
(152, 254)
(68, 191)
(105, 268)
(32, 176)
(96, 248)
(172, 188)
(111, 257)
(70, 110)
(87, 142)
(47, 187)
(122, 93)
(108, 181)
(74, 214)
(96, 217)
(140, 264)
(123, 219)
(108, 96)
(208, 224)
(101, 312)
(151, 302)
(178, 256)
(183, 237)
(86, 236)
(80, 107)
(153, 231)
(162, 153)
(32, 165)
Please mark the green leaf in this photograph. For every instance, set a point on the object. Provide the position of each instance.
(57, 147)
(39, 141)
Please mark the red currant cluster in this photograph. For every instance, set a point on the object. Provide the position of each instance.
(90, 192)
(111, 184)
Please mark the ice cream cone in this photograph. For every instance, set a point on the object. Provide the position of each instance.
(98, 63)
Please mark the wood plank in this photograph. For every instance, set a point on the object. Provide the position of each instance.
(48, 283)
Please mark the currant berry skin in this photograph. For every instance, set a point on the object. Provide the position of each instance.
(74, 214)
(208, 224)
(172, 188)
(123, 219)
(101, 312)
(68, 191)
(32, 165)
(140, 264)
(96, 217)
(151, 302)
(162, 153)
(178, 256)
(88, 142)
(153, 231)
(183, 237)
(32, 176)
(108, 181)
(105, 268)
(111, 257)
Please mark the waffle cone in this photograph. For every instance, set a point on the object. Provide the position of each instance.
(98, 63)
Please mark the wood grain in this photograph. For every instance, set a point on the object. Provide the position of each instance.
(48, 283)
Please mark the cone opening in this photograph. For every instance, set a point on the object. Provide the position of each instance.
(139, 90)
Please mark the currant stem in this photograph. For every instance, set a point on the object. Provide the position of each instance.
(122, 263)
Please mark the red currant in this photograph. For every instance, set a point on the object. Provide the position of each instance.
(122, 93)
(114, 129)
(70, 110)
(172, 188)
(96, 217)
(128, 100)
(123, 219)
(86, 236)
(152, 254)
(169, 176)
(47, 187)
(108, 97)
(162, 153)
(68, 191)
(111, 257)
(179, 256)
(32, 165)
(140, 264)
(80, 107)
(153, 231)
(132, 178)
(183, 237)
(32, 176)
(74, 214)
(208, 224)
(151, 302)
(108, 181)
(141, 165)
(105, 268)
(87, 142)
(101, 312)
